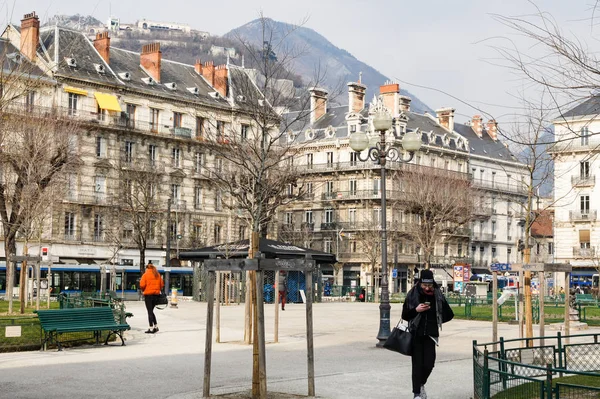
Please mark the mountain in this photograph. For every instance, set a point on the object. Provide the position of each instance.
(340, 66)
(77, 22)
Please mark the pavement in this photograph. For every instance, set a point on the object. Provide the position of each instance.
(169, 364)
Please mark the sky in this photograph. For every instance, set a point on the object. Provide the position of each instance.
(444, 52)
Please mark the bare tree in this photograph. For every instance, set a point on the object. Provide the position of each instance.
(442, 202)
(141, 210)
(36, 149)
(368, 238)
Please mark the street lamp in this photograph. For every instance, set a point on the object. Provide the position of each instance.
(380, 151)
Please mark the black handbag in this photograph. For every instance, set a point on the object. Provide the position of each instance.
(400, 340)
(162, 299)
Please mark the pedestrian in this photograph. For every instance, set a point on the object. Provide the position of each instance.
(151, 284)
(426, 309)
(282, 288)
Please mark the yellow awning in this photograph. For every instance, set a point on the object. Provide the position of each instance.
(107, 102)
(75, 90)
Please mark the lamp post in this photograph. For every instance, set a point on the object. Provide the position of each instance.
(380, 151)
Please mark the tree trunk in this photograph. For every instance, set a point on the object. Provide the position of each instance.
(10, 249)
(23, 281)
(142, 260)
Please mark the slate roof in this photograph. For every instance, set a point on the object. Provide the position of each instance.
(484, 146)
(591, 107)
(73, 44)
(12, 61)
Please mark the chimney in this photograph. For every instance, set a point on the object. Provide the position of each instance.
(445, 117)
(391, 97)
(208, 71)
(477, 126)
(492, 129)
(220, 82)
(150, 60)
(405, 103)
(318, 103)
(102, 45)
(198, 67)
(356, 96)
(30, 35)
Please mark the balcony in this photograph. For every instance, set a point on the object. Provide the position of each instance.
(90, 198)
(307, 226)
(582, 216)
(328, 195)
(185, 132)
(361, 195)
(329, 226)
(583, 181)
(142, 165)
(482, 237)
(178, 205)
(482, 211)
(585, 253)
(513, 188)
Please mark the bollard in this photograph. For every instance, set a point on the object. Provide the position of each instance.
(173, 297)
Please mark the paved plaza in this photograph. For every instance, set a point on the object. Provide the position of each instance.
(169, 364)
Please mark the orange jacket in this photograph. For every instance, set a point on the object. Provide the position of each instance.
(150, 284)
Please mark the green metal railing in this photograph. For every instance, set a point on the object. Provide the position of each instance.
(548, 368)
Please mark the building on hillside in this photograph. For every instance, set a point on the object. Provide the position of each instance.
(576, 157)
(148, 26)
(344, 195)
(142, 117)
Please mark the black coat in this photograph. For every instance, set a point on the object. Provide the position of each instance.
(429, 322)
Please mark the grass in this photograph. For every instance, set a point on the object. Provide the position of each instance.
(530, 390)
(28, 310)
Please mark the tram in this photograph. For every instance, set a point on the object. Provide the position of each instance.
(86, 278)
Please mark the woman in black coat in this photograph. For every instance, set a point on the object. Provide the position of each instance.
(426, 309)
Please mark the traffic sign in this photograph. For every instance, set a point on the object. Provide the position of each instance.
(500, 267)
(394, 273)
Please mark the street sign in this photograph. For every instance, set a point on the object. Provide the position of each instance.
(501, 267)
(26, 258)
(542, 267)
(394, 273)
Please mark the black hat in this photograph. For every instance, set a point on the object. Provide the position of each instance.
(427, 276)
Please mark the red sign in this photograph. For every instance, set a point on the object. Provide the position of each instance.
(44, 251)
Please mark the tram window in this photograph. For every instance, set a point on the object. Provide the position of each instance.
(2, 280)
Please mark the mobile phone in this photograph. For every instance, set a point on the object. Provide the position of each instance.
(427, 303)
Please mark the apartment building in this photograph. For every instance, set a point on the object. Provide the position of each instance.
(139, 114)
(576, 196)
(343, 196)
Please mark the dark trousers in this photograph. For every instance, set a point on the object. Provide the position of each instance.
(423, 360)
(282, 298)
(150, 301)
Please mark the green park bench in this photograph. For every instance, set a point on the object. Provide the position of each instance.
(56, 322)
(585, 299)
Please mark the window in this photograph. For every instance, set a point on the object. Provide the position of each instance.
(177, 119)
(289, 190)
(508, 254)
(197, 231)
(127, 190)
(509, 231)
(585, 135)
(127, 233)
(309, 188)
(69, 226)
(353, 246)
(199, 127)
(152, 154)
(353, 158)
(176, 157)
(352, 128)
(446, 245)
(327, 245)
(353, 185)
(493, 179)
(98, 227)
(584, 169)
(376, 186)
(289, 218)
(329, 187)
(72, 186)
(131, 108)
(244, 132)
(309, 161)
(100, 188)
(175, 193)
(73, 99)
(173, 230)
(198, 197)
(308, 217)
(30, 101)
(151, 229)
(493, 229)
(550, 248)
(329, 159)
(199, 162)
(101, 113)
(538, 248)
(154, 116)
(100, 147)
(328, 215)
(242, 232)
(584, 204)
(128, 151)
(220, 129)
(352, 215)
(218, 201)
(377, 215)
(459, 250)
(217, 233)
(152, 190)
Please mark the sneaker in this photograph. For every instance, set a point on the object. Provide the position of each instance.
(418, 397)
(156, 330)
(423, 393)
(150, 331)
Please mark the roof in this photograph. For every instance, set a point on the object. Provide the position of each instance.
(484, 146)
(12, 61)
(542, 226)
(591, 107)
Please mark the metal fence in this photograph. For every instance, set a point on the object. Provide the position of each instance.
(549, 368)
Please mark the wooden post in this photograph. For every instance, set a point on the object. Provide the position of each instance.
(49, 289)
(567, 306)
(38, 276)
(309, 333)
(248, 309)
(495, 309)
(255, 360)
(260, 338)
(276, 302)
(542, 295)
(520, 296)
(209, 327)
(218, 308)
(23, 281)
